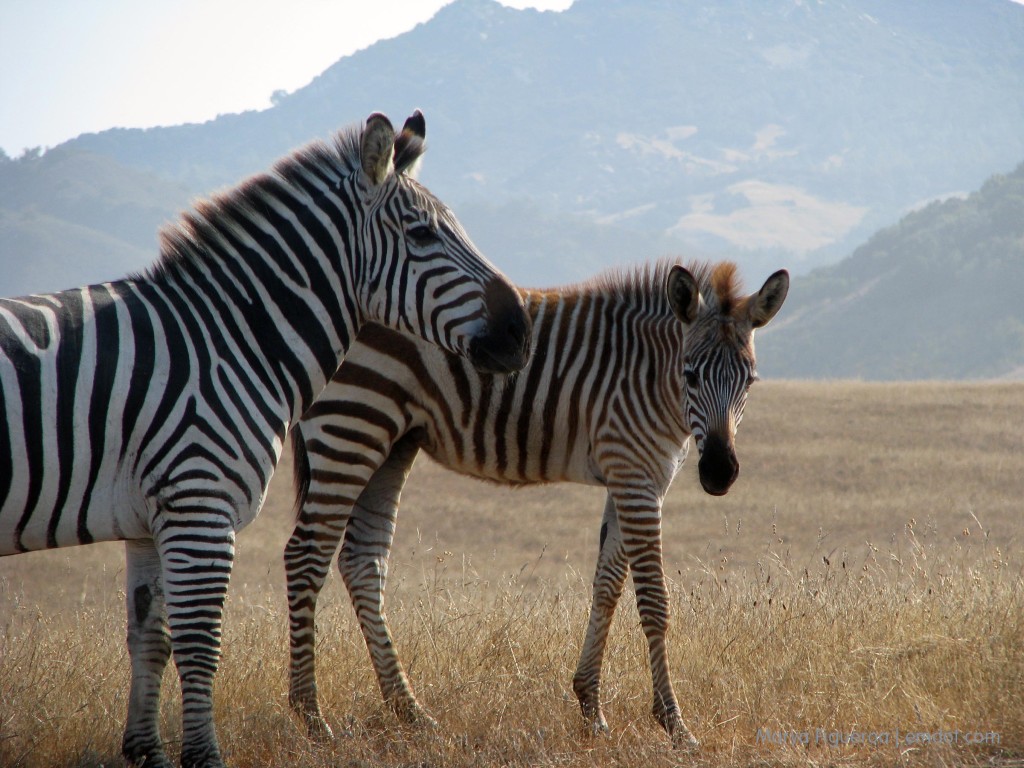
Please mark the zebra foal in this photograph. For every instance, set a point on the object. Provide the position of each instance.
(154, 409)
(624, 369)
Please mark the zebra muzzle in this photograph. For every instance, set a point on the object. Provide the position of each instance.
(718, 466)
(505, 345)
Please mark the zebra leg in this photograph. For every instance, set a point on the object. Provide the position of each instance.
(363, 563)
(197, 549)
(307, 561)
(639, 514)
(149, 646)
(322, 521)
(609, 579)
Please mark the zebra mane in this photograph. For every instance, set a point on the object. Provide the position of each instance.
(723, 278)
(643, 285)
(211, 220)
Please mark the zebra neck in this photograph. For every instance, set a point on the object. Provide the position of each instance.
(289, 329)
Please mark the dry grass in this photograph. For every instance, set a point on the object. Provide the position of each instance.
(862, 577)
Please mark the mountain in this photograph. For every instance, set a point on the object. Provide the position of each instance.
(793, 125)
(935, 296)
(70, 217)
(780, 133)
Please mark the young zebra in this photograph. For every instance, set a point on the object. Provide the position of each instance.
(625, 368)
(154, 409)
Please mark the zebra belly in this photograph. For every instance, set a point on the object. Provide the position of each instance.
(577, 468)
(70, 515)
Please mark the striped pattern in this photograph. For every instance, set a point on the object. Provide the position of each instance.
(154, 409)
(625, 368)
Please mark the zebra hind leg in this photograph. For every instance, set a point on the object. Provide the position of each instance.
(149, 647)
(609, 579)
(363, 563)
(307, 559)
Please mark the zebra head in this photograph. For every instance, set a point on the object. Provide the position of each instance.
(718, 360)
(422, 272)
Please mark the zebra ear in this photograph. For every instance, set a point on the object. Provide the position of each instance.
(410, 144)
(416, 124)
(683, 294)
(765, 303)
(377, 148)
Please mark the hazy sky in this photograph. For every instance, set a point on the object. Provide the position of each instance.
(72, 66)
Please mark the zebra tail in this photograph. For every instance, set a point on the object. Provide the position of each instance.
(300, 470)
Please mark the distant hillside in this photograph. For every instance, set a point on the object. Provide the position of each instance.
(736, 125)
(938, 295)
(49, 254)
(70, 217)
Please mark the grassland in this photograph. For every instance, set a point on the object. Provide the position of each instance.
(863, 577)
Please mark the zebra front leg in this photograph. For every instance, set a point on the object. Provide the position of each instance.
(149, 647)
(609, 579)
(639, 515)
(307, 561)
(197, 548)
(363, 563)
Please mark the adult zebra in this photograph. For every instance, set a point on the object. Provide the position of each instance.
(625, 368)
(154, 409)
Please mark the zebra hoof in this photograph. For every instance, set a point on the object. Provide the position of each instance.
(599, 726)
(318, 730)
(417, 717)
(307, 707)
(425, 722)
(677, 731)
(685, 742)
(152, 760)
(201, 757)
(146, 757)
(592, 715)
(682, 739)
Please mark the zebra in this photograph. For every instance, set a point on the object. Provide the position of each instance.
(624, 369)
(154, 409)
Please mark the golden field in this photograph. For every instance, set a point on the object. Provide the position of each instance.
(863, 582)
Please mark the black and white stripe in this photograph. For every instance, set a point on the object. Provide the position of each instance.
(154, 409)
(624, 370)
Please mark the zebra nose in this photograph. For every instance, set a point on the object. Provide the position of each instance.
(718, 466)
(504, 346)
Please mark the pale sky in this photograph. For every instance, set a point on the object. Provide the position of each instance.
(75, 66)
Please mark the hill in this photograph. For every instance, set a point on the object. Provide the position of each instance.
(70, 217)
(739, 126)
(779, 133)
(936, 295)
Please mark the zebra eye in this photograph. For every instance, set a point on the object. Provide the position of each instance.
(421, 234)
(692, 380)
